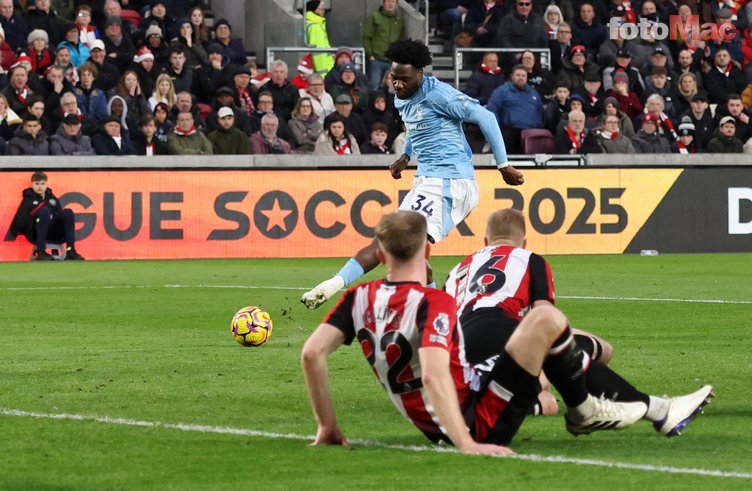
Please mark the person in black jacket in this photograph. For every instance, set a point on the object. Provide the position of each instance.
(111, 141)
(145, 141)
(41, 218)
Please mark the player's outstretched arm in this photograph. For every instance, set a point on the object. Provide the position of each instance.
(489, 125)
(437, 380)
(511, 176)
(323, 342)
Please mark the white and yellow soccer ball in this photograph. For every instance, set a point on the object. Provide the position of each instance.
(251, 326)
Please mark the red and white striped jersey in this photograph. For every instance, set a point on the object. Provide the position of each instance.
(502, 276)
(392, 321)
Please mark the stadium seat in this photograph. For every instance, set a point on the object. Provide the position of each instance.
(131, 16)
(537, 141)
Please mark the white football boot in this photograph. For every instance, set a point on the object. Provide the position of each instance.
(603, 414)
(682, 410)
(322, 292)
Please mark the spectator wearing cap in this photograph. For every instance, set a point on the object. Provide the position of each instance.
(665, 127)
(110, 140)
(350, 85)
(41, 16)
(734, 108)
(154, 40)
(647, 139)
(226, 139)
(91, 100)
(575, 138)
(623, 62)
(485, 79)
(305, 68)
(608, 51)
(119, 47)
(343, 57)
(213, 74)
(593, 95)
(699, 114)
(517, 106)
(660, 56)
(658, 84)
(382, 28)
(195, 53)
(185, 139)
(181, 75)
(317, 35)
(233, 48)
(159, 16)
(39, 55)
(575, 68)
(520, 28)
(29, 138)
(224, 99)
(611, 139)
(112, 8)
(146, 68)
(724, 140)
(109, 74)
(354, 123)
(686, 142)
(266, 106)
(611, 107)
(244, 93)
(323, 104)
(588, 30)
(15, 26)
(629, 102)
(79, 52)
(734, 24)
(68, 140)
(723, 78)
(17, 91)
(285, 94)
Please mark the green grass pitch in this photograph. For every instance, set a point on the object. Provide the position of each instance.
(114, 355)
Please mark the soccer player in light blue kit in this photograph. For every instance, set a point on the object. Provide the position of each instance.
(444, 189)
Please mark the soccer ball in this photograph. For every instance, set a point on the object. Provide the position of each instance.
(251, 326)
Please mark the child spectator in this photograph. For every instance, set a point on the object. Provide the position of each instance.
(87, 33)
(146, 142)
(41, 218)
(377, 143)
(164, 91)
(724, 140)
(29, 138)
(164, 125)
(557, 108)
(686, 143)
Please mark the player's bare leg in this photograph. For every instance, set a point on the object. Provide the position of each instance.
(364, 261)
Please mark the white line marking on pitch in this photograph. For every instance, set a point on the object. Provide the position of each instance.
(371, 443)
(297, 288)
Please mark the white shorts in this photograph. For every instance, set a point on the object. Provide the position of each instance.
(444, 202)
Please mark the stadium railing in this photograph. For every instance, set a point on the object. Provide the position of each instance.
(359, 54)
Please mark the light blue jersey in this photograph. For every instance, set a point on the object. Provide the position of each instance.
(433, 117)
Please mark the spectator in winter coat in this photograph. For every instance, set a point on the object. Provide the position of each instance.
(700, 116)
(241, 120)
(7, 56)
(195, 54)
(350, 85)
(657, 83)
(119, 47)
(29, 139)
(68, 140)
(305, 125)
(735, 109)
(14, 24)
(79, 52)
(723, 79)
(39, 51)
(380, 112)
(377, 143)
(185, 139)
(724, 140)
(539, 78)
(381, 29)
(227, 139)
(575, 68)
(233, 47)
(212, 75)
(91, 100)
(108, 72)
(266, 141)
(317, 35)
(336, 140)
(557, 108)
(485, 79)
(517, 106)
(110, 140)
(588, 31)
(686, 142)
(647, 140)
(624, 63)
(611, 108)
(628, 101)
(284, 93)
(521, 28)
(41, 16)
(611, 139)
(145, 141)
(353, 121)
(575, 138)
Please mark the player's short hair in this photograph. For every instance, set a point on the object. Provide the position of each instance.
(409, 52)
(507, 224)
(402, 234)
(39, 176)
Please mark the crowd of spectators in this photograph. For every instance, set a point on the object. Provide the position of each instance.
(156, 79)
(640, 95)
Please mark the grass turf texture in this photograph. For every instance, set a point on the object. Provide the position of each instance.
(127, 345)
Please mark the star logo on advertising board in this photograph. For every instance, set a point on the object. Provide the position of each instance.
(276, 214)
